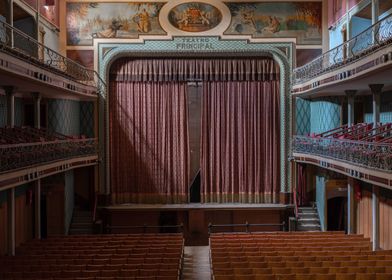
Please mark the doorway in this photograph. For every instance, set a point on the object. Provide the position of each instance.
(337, 214)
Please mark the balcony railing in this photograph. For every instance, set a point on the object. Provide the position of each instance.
(367, 154)
(16, 156)
(17, 43)
(367, 42)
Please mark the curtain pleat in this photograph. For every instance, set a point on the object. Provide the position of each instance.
(218, 69)
(240, 142)
(148, 142)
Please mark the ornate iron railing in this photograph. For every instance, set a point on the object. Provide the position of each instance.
(368, 154)
(17, 43)
(367, 42)
(16, 156)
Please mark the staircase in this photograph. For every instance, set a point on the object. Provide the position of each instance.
(196, 263)
(308, 219)
(82, 222)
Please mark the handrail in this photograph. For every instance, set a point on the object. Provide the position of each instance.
(95, 207)
(144, 227)
(17, 43)
(370, 40)
(246, 225)
(332, 131)
(375, 155)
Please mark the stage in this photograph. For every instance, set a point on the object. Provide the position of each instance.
(195, 217)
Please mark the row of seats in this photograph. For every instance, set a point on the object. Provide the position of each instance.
(116, 257)
(318, 255)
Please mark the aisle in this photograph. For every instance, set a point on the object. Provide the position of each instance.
(196, 263)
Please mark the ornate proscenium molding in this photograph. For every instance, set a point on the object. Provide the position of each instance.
(205, 46)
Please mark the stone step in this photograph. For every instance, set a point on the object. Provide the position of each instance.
(81, 225)
(82, 214)
(82, 219)
(307, 219)
(80, 231)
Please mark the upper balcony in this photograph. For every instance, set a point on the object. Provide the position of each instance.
(363, 60)
(33, 67)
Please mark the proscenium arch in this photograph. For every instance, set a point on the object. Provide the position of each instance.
(281, 53)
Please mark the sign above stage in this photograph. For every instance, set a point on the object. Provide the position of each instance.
(194, 43)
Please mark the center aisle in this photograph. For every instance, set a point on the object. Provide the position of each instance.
(196, 263)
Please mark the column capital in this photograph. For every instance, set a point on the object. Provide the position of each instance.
(36, 95)
(350, 92)
(9, 90)
(376, 88)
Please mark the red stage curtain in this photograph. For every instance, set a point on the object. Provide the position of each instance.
(240, 159)
(148, 142)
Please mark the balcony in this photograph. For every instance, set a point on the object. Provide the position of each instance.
(360, 151)
(365, 59)
(34, 67)
(27, 154)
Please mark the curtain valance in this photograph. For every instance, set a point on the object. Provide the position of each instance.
(196, 69)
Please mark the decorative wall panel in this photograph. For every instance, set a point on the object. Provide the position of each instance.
(325, 114)
(87, 119)
(64, 116)
(302, 116)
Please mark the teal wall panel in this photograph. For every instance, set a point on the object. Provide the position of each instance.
(19, 112)
(64, 116)
(325, 114)
(87, 119)
(302, 116)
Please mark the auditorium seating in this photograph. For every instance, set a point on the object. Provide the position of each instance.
(302, 256)
(359, 132)
(119, 256)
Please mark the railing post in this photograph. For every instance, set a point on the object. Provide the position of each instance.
(376, 93)
(209, 228)
(10, 93)
(350, 205)
(375, 218)
(247, 227)
(11, 221)
(350, 106)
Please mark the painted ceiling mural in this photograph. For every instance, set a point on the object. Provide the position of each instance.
(195, 17)
(89, 20)
(86, 21)
(301, 20)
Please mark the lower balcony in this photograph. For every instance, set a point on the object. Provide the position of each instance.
(28, 154)
(368, 157)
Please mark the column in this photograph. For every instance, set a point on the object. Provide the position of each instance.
(375, 11)
(350, 205)
(376, 93)
(37, 109)
(375, 218)
(37, 210)
(10, 93)
(350, 106)
(11, 221)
